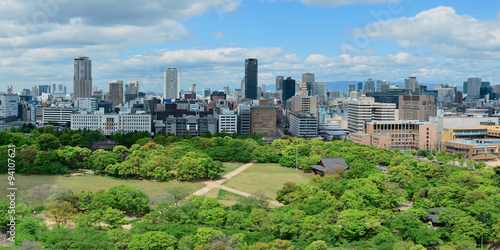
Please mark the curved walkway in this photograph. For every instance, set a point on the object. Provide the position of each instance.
(218, 184)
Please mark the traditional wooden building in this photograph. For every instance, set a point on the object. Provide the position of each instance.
(330, 166)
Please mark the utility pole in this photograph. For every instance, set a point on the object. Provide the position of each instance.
(296, 157)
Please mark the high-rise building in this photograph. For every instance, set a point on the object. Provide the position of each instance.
(473, 87)
(365, 110)
(43, 89)
(308, 77)
(206, 92)
(53, 88)
(9, 108)
(263, 120)
(304, 103)
(417, 107)
(411, 83)
(82, 79)
(244, 117)
(251, 78)
(131, 90)
(360, 86)
(171, 83)
(319, 89)
(193, 88)
(116, 92)
(369, 86)
(465, 88)
(288, 87)
(352, 88)
(279, 83)
(459, 97)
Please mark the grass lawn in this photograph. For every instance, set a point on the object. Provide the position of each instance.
(92, 182)
(229, 167)
(266, 177)
(223, 196)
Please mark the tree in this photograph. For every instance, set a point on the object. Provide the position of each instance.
(317, 245)
(48, 141)
(128, 199)
(59, 212)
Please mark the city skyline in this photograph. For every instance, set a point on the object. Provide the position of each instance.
(209, 40)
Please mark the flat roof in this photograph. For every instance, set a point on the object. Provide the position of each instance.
(478, 142)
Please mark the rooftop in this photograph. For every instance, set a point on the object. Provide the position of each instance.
(478, 142)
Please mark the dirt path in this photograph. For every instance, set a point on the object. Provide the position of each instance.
(218, 184)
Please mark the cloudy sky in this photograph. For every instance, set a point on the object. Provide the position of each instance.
(208, 40)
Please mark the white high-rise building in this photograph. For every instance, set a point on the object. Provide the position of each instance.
(412, 84)
(171, 85)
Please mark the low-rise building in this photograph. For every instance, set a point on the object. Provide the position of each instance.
(111, 123)
(403, 135)
(263, 120)
(303, 125)
(478, 150)
(194, 125)
(56, 116)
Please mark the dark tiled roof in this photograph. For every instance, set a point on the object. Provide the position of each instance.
(319, 168)
(334, 162)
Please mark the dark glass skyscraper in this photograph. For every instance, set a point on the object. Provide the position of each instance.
(251, 78)
(288, 88)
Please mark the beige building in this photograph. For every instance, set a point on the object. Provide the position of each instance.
(478, 150)
(263, 120)
(367, 110)
(403, 135)
(116, 92)
(417, 107)
(304, 104)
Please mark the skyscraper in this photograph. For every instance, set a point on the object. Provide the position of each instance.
(43, 89)
(131, 90)
(369, 86)
(82, 79)
(251, 78)
(206, 92)
(308, 77)
(171, 84)
(288, 88)
(116, 92)
(412, 84)
(279, 83)
(473, 87)
(352, 88)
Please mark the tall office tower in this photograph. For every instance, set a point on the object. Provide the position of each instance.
(193, 88)
(473, 87)
(369, 86)
(171, 85)
(43, 89)
(251, 78)
(131, 90)
(279, 83)
(496, 91)
(206, 92)
(308, 77)
(465, 88)
(352, 88)
(288, 86)
(304, 103)
(411, 83)
(486, 89)
(378, 86)
(298, 86)
(360, 86)
(263, 89)
(384, 86)
(225, 89)
(61, 88)
(243, 88)
(319, 89)
(116, 92)
(53, 88)
(82, 79)
(65, 90)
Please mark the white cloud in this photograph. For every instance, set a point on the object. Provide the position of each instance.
(336, 3)
(442, 32)
(217, 35)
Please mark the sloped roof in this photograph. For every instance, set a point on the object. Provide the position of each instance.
(334, 162)
(319, 168)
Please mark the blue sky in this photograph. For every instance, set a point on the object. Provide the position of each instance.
(338, 40)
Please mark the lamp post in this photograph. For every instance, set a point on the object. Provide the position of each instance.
(296, 157)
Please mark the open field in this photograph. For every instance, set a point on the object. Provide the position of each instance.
(223, 196)
(229, 167)
(266, 177)
(92, 182)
